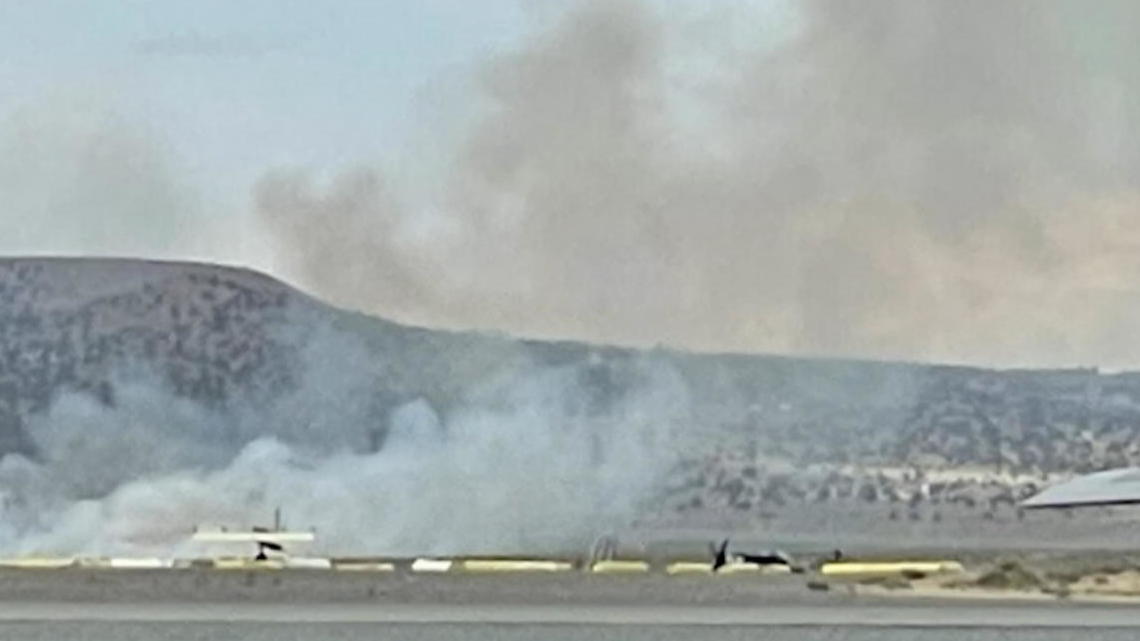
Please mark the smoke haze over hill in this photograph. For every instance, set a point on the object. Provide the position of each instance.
(915, 180)
(139, 399)
(148, 398)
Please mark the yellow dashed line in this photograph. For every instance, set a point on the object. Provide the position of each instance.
(619, 567)
(688, 567)
(119, 563)
(364, 566)
(484, 565)
(432, 565)
(38, 563)
(739, 568)
(844, 568)
(247, 564)
(516, 565)
(308, 563)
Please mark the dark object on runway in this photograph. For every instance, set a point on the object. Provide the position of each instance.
(262, 546)
(721, 557)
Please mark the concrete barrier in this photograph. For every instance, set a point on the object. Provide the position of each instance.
(38, 563)
(363, 566)
(739, 568)
(516, 565)
(689, 567)
(619, 567)
(432, 565)
(765, 569)
(119, 563)
(704, 567)
(775, 568)
(308, 563)
(230, 563)
(854, 568)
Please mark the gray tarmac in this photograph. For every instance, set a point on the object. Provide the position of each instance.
(245, 631)
(850, 613)
(351, 622)
(165, 605)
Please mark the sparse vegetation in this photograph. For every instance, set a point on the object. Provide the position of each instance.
(793, 431)
(1010, 575)
(890, 582)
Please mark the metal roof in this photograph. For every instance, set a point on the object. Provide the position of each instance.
(1111, 487)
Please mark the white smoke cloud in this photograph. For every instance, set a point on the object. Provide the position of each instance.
(522, 465)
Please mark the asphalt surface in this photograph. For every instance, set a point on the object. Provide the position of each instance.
(956, 614)
(246, 631)
(168, 605)
(152, 621)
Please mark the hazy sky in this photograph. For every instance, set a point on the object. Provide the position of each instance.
(217, 92)
(890, 179)
(220, 91)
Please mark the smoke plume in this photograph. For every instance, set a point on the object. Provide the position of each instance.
(78, 178)
(916, 180)
(523, 465)
(952, 181)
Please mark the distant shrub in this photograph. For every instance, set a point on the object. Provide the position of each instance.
(1010, 575)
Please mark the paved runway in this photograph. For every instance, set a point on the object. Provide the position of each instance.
(303, 606)
(161, 631)
(958, 614)
(351, 622)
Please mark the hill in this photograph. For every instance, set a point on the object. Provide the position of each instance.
(143, 368)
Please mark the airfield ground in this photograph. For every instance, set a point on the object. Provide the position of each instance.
(1039, 596)
(1044, 575)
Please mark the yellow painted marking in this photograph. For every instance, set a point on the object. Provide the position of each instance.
(846, 568)
(229, 563)
(754, 568)
(689, 567)
(775, 568)
(308, 563)
(431, 565)
(139, 564)
(608, 567)
(46, 563)
(364, 567)
(739, 568)
(516, 565)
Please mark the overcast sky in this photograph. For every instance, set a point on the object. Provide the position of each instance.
(224, 90)
(950, 181)
(218, 92)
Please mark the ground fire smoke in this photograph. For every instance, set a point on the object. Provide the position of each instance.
(521, 466)
(918, 180)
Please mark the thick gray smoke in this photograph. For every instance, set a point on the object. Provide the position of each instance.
(913, 179)
(358, 214)
(77, 177)
(520, 467)
(919, 180)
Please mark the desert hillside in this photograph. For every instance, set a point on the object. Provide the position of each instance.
(750, 435)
